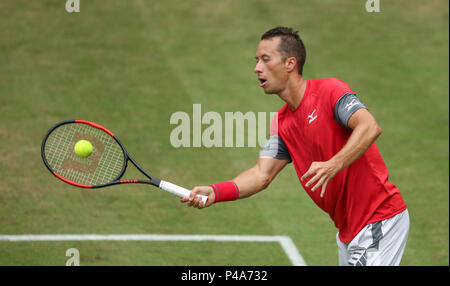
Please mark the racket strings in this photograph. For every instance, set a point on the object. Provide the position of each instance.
(104, 165)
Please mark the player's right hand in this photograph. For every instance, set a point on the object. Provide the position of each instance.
(195, 201)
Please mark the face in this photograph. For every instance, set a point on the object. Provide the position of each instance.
(270, 67)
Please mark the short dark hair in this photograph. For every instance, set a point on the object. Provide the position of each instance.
(290, 46)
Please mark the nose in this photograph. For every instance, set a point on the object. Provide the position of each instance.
(257, 68)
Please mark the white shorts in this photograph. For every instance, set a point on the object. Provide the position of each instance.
(379, 243)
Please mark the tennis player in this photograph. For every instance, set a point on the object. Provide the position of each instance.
(329, 136)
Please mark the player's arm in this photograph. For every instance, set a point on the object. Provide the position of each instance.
(259, 176)
(248, 182)
(365, 130)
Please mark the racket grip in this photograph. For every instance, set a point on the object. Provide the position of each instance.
(179, 191)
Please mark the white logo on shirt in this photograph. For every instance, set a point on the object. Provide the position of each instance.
(312, 117)
(351, 104)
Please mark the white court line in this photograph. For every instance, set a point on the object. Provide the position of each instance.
(285, 241)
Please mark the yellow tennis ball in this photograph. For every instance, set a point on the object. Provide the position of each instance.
(83, 148)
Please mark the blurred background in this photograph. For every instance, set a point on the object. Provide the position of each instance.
(129, 65)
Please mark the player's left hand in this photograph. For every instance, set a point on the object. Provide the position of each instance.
(324, 172)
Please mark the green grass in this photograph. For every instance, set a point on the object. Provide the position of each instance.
(129, 65)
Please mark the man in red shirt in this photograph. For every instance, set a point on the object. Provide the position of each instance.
(329, 136)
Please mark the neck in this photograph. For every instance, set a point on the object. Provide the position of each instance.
(294, 92)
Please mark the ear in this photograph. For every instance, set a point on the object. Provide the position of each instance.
(290, 64)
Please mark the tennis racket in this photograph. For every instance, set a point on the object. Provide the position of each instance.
(104, 167)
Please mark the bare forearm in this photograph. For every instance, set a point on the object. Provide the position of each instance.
(362, 137)
(251, 181)
(248, 182)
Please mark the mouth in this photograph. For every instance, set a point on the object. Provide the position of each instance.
(262, 81)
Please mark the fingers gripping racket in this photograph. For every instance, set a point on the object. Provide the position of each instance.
(104, 167)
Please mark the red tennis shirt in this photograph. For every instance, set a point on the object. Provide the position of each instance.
(358, 195)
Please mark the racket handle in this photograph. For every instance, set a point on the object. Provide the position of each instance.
(179, 191)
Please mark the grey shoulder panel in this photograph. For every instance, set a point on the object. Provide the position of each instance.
(345, 107)
(275, 148)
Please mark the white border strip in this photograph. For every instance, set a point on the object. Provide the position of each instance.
(285, 241)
